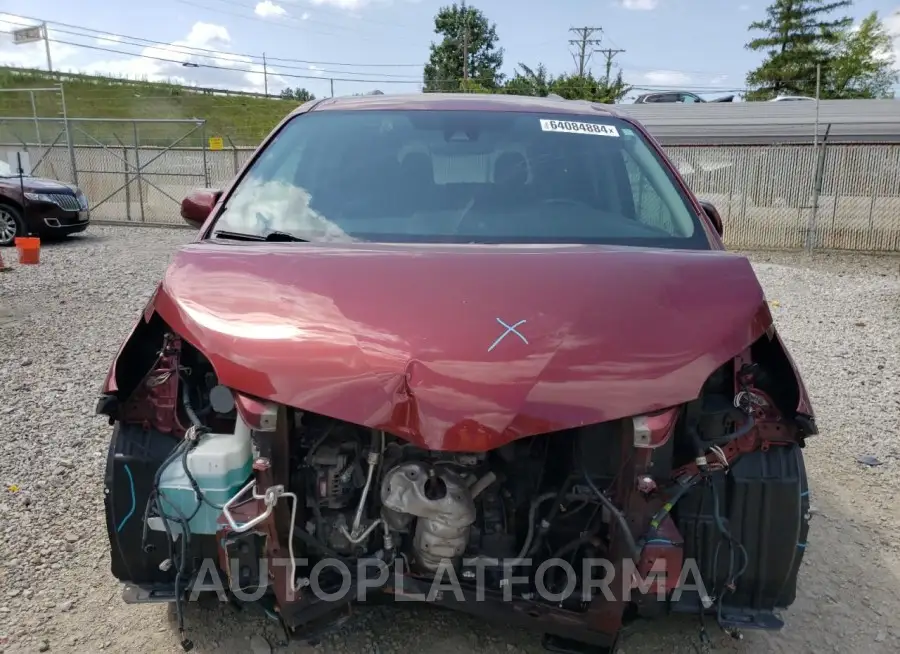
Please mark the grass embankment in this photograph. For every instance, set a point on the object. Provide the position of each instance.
(243, 119)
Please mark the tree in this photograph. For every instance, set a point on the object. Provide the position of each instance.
(862, 63)
(587, 87)
(799, 35)
(299, 94)
(469, 45)
(538, 82)
(528, 81)
(472, 86)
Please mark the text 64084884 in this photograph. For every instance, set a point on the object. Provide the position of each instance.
(578, 128)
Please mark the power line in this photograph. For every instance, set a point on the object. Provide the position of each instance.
(582, 44)
(222, 57)
(236, 70)
(264, 61)
(104, 33)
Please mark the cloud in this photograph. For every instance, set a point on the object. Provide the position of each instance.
(268, 9)
(350, 5)
(743, 7)
(666, 77)
(316, 70)
(640, 5)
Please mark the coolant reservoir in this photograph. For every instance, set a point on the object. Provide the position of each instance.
(221, 465)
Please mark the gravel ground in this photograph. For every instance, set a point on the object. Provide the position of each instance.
(62, 321)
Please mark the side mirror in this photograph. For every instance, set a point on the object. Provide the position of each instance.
(197, 206)
(713, 214)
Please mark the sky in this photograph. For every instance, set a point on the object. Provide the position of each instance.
(687, 44)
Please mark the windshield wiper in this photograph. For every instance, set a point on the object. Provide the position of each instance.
(270, 237)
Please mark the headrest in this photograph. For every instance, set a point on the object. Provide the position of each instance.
(511, 169)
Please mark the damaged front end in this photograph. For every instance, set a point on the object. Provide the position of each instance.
(700, 507)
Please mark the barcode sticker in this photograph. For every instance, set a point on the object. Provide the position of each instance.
(578, 128)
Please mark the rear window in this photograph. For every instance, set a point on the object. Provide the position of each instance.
(462, 177)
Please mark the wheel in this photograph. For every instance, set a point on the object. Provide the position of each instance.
(11, 224)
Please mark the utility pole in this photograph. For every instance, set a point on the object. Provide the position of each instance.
(47, 46)
(817, 178)
(610, 54)
(465, 42)
(466, 55)
(583, 44)
(265, 75)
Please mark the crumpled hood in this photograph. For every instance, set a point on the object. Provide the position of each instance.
(417, 340)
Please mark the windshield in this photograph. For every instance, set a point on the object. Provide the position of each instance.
(462, 177)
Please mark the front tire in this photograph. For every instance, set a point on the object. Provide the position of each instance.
(11, 224)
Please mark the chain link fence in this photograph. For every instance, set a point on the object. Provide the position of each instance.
(837, 196)
(832, 196)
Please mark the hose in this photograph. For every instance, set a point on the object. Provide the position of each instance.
(743, 431)
(482, 484)
(532, 519)
(154, 491)
(192, 442)
(186, 401)
(546, 522)
(613, 510)
(194, 485)
(732, 575)
(317, 510)
(660, 515)
(312, 542)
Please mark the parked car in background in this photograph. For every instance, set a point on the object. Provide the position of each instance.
(677, 96)
(791, 98)
(32, 206)
(434, 333)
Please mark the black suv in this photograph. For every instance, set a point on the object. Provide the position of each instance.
(31, 206)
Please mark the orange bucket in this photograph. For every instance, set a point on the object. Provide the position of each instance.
(29, 248)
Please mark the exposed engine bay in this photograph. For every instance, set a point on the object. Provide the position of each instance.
(198, 473)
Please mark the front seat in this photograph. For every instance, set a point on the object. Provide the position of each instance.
(510, 183)
(417, 181)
